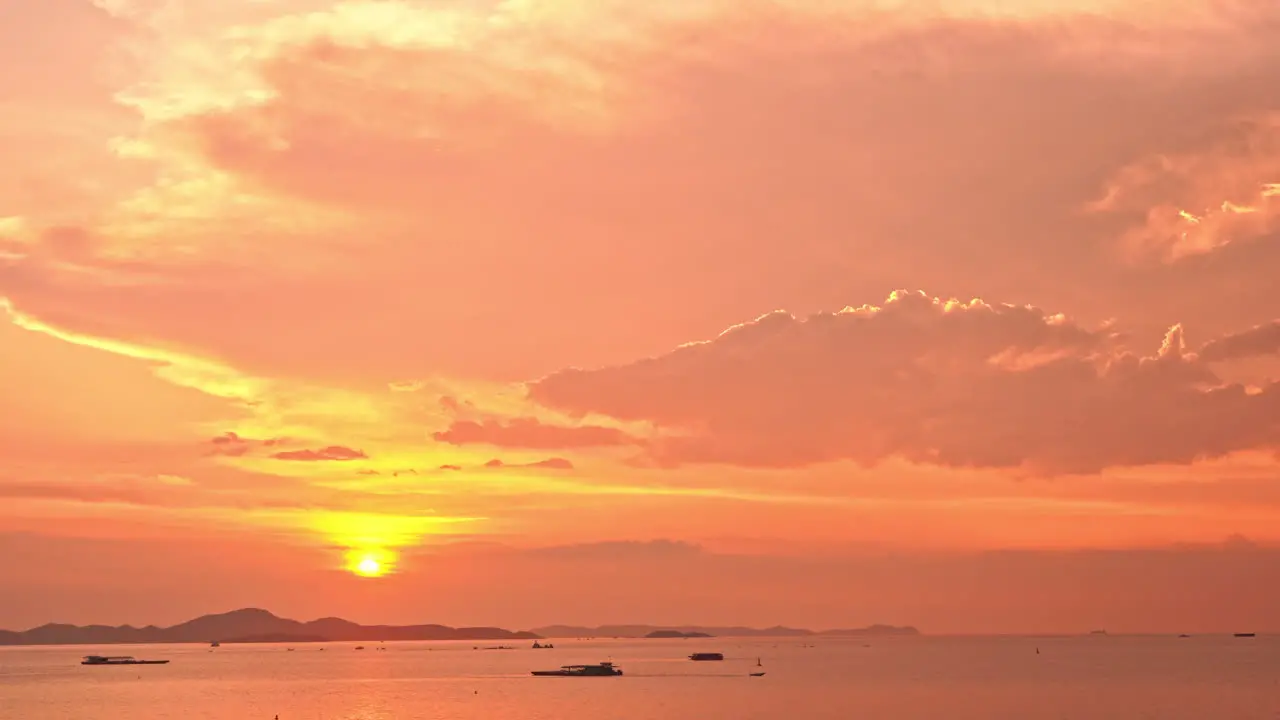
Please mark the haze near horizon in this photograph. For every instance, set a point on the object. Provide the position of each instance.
(514, 313)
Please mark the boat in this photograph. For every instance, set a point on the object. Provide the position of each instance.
(215, 643)
(118, 660)
(706, 656)
(759, 674)
(539, 646)
(1246, 635)
(604, 669)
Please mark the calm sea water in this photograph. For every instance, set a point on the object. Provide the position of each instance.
(1094, 678)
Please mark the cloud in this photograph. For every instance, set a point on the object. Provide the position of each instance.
(1259, 340)
(531, 433)
(552, 464)
(183, 369)
(68, 401)
(1195, 201)
(620, 550)
(932, 381)
(620, 146)
(142, 491)
(548, 464)
(232, 445)
(333, 453)
(58, 62)
(206, 497)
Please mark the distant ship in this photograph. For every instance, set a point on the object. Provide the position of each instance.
(118, 660)
(1246, 634)
(539, 646)
(604, 669)
(215, 643)
(707, 656)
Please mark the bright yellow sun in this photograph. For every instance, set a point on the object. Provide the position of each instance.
(370, 563)
(369, 567)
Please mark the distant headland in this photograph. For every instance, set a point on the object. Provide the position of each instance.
(252, 625)
(700, 631)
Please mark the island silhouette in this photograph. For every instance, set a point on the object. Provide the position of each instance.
(703, 631)
(253, 625)
(673, 634)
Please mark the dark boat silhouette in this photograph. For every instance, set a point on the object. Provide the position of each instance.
(1243, 635)
(118, 660)
(704, 656)
(604, 669)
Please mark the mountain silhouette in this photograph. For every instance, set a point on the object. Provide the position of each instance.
(250, 625)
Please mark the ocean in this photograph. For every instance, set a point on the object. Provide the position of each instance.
(933, 678)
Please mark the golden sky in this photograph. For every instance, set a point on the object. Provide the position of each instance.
(850, 312)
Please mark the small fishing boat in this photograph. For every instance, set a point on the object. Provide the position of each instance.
(118, 660)
(706, 656)
(759, 674)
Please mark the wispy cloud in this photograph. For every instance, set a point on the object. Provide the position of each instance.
(333, 453)
(531, 433)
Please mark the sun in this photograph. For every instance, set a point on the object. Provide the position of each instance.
(370, 563)
(369, 567)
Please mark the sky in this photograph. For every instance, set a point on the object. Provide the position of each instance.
(960, 315)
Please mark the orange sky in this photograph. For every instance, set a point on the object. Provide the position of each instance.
(701, 311)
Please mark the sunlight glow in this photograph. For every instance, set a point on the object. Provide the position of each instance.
(370, 539)
(368, 565)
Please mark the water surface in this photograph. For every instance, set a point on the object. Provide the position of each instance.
(1084, 678)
